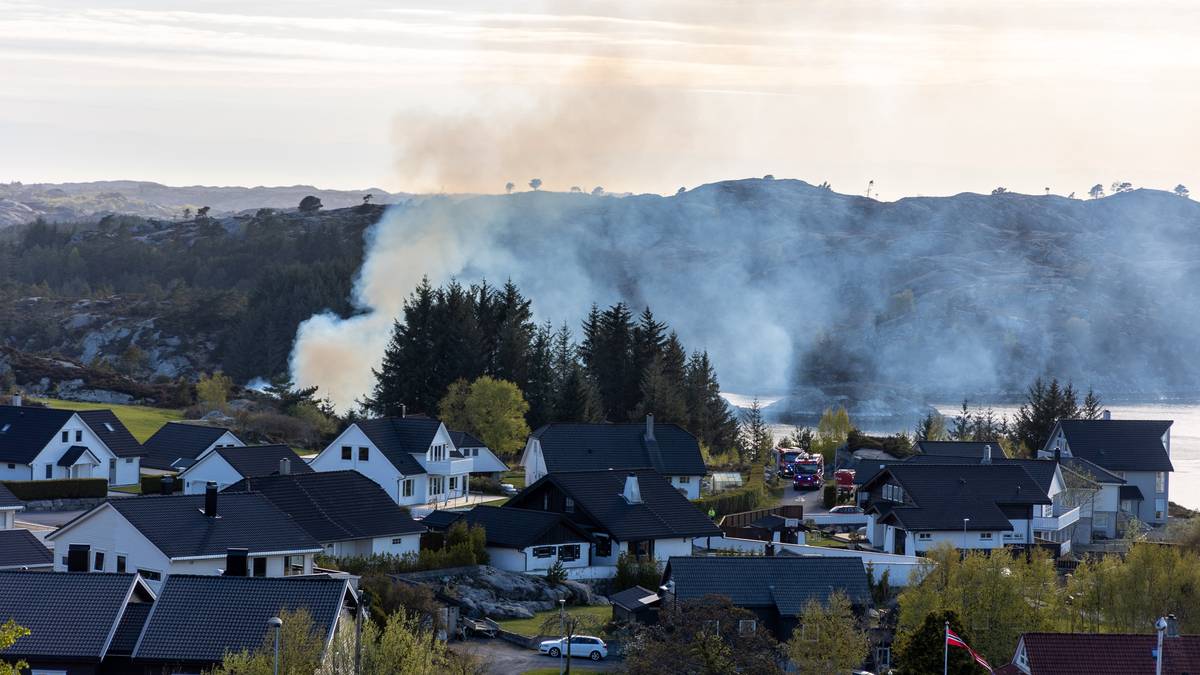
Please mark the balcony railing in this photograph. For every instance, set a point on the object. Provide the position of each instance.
(1061, 521)
(448, 467)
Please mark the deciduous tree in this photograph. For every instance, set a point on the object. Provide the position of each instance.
(829, 639)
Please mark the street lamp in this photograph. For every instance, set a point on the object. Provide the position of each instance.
(562, 627)
(276, 623)
(964, 546)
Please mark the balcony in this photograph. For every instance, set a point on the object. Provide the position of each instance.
(448, 467)
(1064, 518)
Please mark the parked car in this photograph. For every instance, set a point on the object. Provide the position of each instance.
(846, 509)
(584, 646)
(509, 489)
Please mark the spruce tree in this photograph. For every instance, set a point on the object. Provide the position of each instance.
(579, 400)
(406, 375)
(662, 396)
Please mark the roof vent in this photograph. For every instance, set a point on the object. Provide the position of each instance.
(649, 426)
(987, 454)
(16, 400)
(632, 492)
(285, 466)
(1106, 415)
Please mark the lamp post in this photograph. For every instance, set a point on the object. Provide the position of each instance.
(276, 623)
(363, 606)
(562, 627)
(964, 546)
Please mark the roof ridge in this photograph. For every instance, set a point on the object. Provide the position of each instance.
(316, 504)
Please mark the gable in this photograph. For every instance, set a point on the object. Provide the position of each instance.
(1118, 445)
(592, 447)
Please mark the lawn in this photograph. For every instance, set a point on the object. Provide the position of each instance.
(817, 538)
(142, 421)
(595, 617)
(516, 478)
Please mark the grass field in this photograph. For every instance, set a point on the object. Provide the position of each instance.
(142, 421)
(595, 617)
(516, 478)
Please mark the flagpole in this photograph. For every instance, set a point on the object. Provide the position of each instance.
(946, 650)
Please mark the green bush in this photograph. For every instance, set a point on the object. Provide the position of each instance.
(632, 571)
(746, 498)
(58, 488)
(463, 547)
(152, 485)
(830, 495)
(557, 573)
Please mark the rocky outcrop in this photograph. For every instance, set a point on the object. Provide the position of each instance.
(485, 591)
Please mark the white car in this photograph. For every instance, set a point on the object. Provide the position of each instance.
(581, 645)
(509, 489)
(846, 510)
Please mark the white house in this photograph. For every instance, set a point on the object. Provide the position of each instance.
(412, 458)
(1136, 451)
(186, 534)
(348, 513)
(522, 540)
(665, 448)
(484, 462)
(45, 443)
(9, 505)
(176, 445)
(228, 465)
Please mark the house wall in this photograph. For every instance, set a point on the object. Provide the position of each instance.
(48, 456)
(665, 548)
(532, 460)
(377, 467)
(1104, 511)
(8, 518)
(215, 566)
(1145, 481)
(211, 467)
(689, 484)
(404, 544)
(129, 470)
(972, 541)
(14, 471)
(107, 530)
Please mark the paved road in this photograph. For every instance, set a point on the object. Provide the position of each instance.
(505, 658)
(46, 518)
(812, 500)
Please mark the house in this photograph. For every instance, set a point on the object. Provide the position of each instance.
(157, 536)
(484, 462)
(665, 448)
(412, 458)
(775, 588)
(1100, 513)
(1104, 654)
(44, 443)
(635, 605)
(228, 465)
(78, 623)
(912, 507)
(9, 505)
(343, 510)
(522, 540)
(176, 445)
(638, 512)
(182, 635)
(1137, 451)
(20, 550)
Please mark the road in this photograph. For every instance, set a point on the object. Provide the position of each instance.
(811, 500)
(505, 658)
(46, 518)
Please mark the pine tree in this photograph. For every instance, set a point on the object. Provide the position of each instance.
(541, 380)
(1044, 406)
(406, 375)
(579, 400)
(931, 427)
(757, 439)
(1093, 407)
(662, 396)
(710, 418)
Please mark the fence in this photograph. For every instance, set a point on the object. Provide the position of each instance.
(902, 569)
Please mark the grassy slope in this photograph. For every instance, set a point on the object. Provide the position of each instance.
(141, 421)
(598, 615)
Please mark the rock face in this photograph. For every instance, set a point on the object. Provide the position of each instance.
(485, 591)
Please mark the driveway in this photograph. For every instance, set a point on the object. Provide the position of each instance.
(505, 658)
(46, 518)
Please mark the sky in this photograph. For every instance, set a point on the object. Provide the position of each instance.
(933, 97)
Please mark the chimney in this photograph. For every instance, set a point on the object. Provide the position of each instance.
(649, 426)
(987, 454)
(167, 485)
(16, 400)
(210, 500)
(1106, 415)
(632, 492)
(235, 562)
(1172, 626)
(285, 466)
(403, 411)
(77, 557)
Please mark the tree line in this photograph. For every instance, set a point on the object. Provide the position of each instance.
(621, 369)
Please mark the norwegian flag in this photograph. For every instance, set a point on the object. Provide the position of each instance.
(953, 640)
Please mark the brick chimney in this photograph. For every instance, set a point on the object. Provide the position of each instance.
(632, 492)
(210, 500)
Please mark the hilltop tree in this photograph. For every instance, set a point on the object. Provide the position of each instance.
(1096, 192)
(1121, 186)
(1044, 405)
(310, 204)
(1093, 407)
(597, 191)
(367, 198)
(508, 187)
(931, 427)
(999, 191)
(202, 212)
(536, 183)
(187, 213)
(1182, 191)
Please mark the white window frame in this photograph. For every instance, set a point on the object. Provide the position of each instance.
(684, 480)
(406, 488)
(1160, 482)
(985, 536)
(924, 536)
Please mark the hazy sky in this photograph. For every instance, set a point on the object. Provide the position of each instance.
(923, 97)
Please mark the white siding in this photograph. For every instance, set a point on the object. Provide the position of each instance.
(14, 471)
(106, 530)
(691, 488)
(665, 548)
(49, 455)
(8, 518)
(532, 460)
(973, 540)
(211, 467)
(377, 467)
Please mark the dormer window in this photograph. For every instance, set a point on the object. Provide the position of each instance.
(893, 493)
(79, 435)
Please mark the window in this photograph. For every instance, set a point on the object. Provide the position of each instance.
(747, 626)
(985, 536)
(543, 551)
(66, 436)
(1160, 482)
(893, 493)
(5, 428)
(12, 466)
(1160, 509)
(684, 480)
(260, 567)
(407, 488)
(570, 505)
(437, 485)
(1100, 520)
(397, 540)
(363, 454)
(546, 501)
(924, 536)
(98, 563)
(49, 471)
(150, 575)
(453, 483)
(604, 547)
(568, 553)
(474, 452)
(883, 658)
(79, 435)
(129, 460)
(120, 564)
(42, 671)
(293, 564)
(347, 452)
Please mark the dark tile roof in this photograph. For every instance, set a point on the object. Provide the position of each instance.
(72, 454)
(198, 619)
(940, 496)
(25, 430)
(109, 428)
(178, 440)
(1040, 470)
(1131, 492)
(1090, 470)
(398, 438)
(70, 615)
(868, 469)
(958, 448)
(662, 513)
(513, 527)
(252, 461)
(19, 548)
(8, 499)
(784, 582)
(463, 439)
(590, 447)
(177, 525)
(1109, 654)
(332, 505)
(130, 628)
(634, 599)
(441, 519)
(1118, 445)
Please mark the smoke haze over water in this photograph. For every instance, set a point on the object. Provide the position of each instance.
(795, 288)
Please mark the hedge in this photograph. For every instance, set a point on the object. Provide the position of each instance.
(830, 495)
(745, 498)
(58, 488)
(152, 485)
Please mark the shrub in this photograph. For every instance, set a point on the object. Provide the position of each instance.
(830, 495)
(485, 484)
(557, 573)
(58, 488)
(463, 547)
(746, 498)
(632, 571)
(152, 485)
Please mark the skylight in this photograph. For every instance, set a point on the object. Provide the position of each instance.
(5, 429)
(109, 426)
